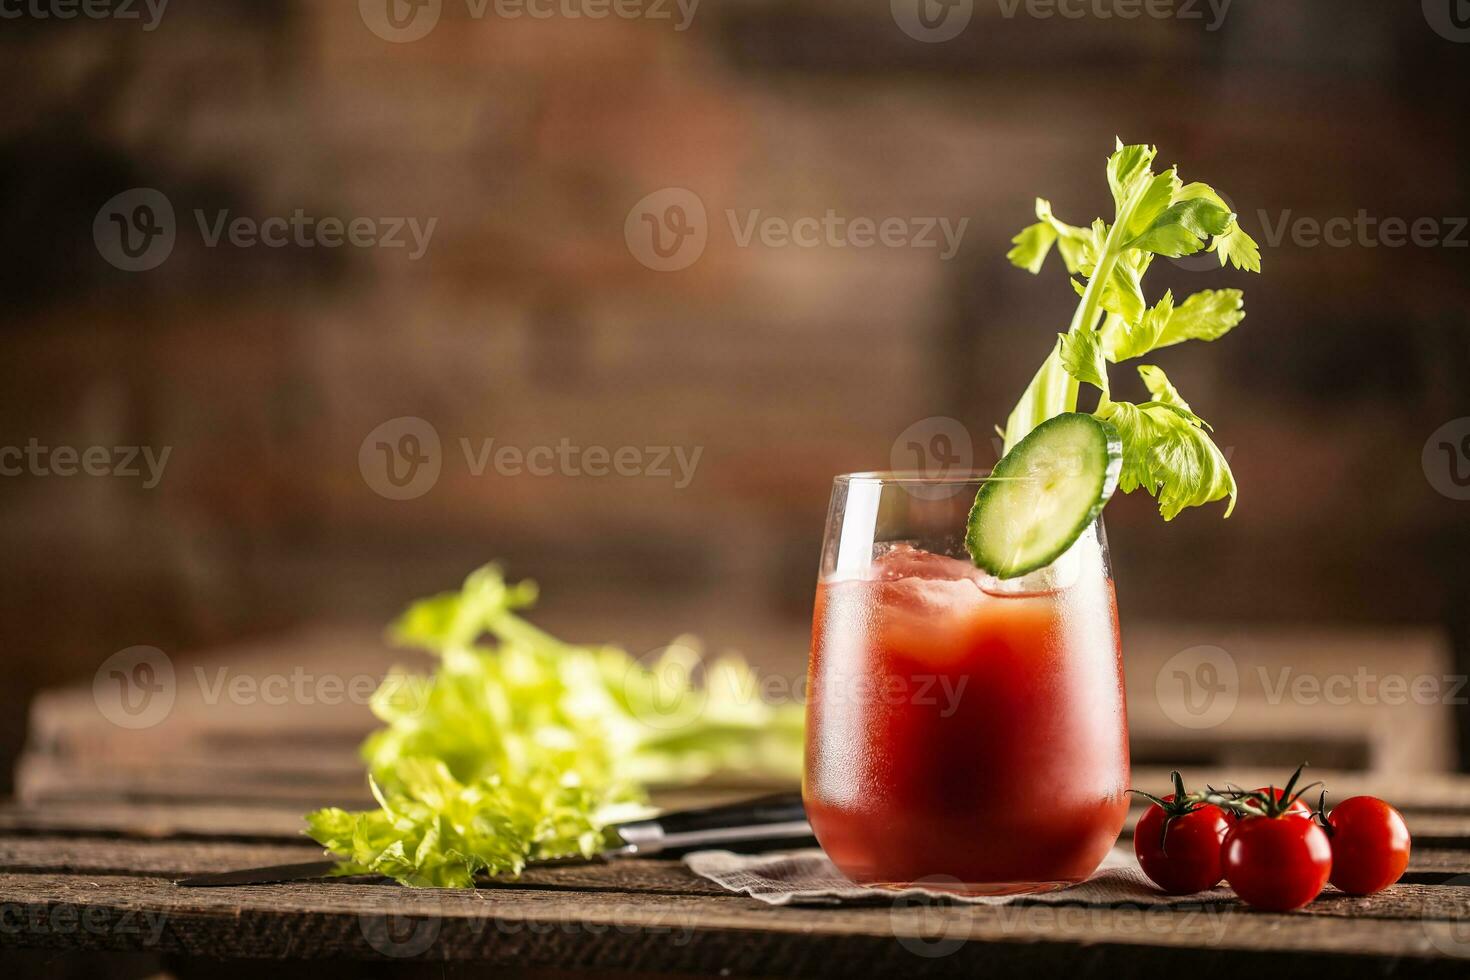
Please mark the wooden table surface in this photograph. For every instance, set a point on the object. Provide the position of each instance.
(87, 865)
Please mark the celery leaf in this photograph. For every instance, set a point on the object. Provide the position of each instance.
(1207, 315)
(1167, 451)
(1033, 245)
(1082, 357)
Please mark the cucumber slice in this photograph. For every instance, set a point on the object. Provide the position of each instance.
(1043, 494)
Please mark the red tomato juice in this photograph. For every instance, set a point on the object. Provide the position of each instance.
(977, 738)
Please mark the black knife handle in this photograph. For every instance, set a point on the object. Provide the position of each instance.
(776, 808)
(764, 823)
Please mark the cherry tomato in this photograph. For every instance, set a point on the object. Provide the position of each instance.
(1183, 858)
(1370, 845)
(1277, 863)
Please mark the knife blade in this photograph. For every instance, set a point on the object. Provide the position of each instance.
(765, 823)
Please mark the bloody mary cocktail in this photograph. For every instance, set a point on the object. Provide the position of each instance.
(965, 713)
(961, 728)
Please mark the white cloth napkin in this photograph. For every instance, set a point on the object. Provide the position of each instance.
(807, 877)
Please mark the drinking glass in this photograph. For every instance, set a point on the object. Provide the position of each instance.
(963, 731)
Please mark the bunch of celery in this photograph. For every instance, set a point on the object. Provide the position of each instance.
(527, 747)
(1167, 450)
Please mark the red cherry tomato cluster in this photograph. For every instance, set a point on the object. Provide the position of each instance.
(1273, 849)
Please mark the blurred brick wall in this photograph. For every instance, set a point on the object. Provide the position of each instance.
(528, 319)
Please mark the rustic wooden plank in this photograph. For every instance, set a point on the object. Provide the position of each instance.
(255, 820)
(159, 859)
(242, 754)
(174, 859)
(178, 859)
(1412, 902)
(263, 823)
(527, 926)
(593, 888)
(281, 821)
(1427, 859)
(49, 783)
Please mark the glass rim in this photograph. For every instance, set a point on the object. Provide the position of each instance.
(913, 477)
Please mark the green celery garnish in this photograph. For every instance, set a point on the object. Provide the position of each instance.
(1166, 447)
(528, 748)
